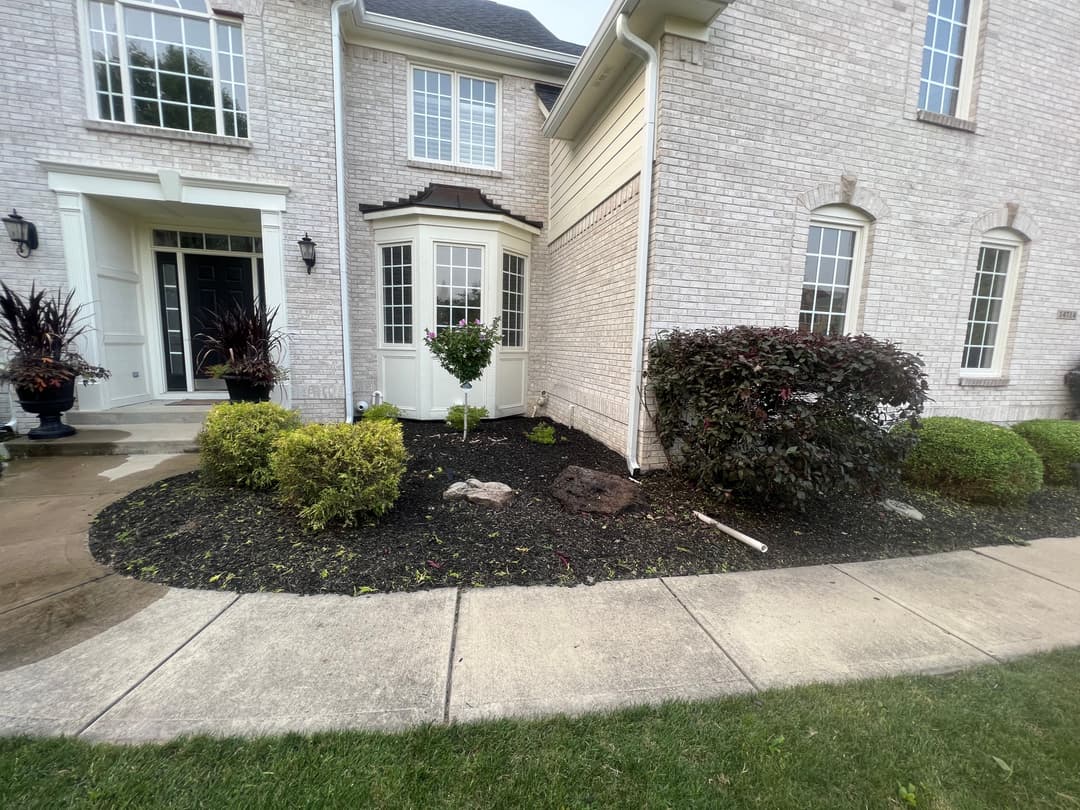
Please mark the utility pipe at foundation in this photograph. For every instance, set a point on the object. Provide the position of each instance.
(742, 538)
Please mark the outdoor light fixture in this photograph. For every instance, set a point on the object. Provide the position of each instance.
(307, 251)
(23, 233)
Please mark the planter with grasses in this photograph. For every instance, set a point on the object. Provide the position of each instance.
(252, 347)
(41, 332)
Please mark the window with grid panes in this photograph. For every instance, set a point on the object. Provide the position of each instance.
(171, 64)
(454, 118)
(985, 336)
(828, 274)
(458, 272)
(945, 46)
(513, 300)
(397, 279)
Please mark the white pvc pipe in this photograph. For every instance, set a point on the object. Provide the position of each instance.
(742, 538)
(336, 10)
(647, 53)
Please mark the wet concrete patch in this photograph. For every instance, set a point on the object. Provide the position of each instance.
(48, 626)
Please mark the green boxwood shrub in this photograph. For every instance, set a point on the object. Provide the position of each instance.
(384, 410)
(779, 416)
(455, 417)
(334, 472)
(974, 461)
(542, 434)
(237, 439)
(1057, 441)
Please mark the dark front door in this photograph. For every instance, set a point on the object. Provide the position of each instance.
(213, 282)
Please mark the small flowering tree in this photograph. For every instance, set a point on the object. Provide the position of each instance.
(464, 351)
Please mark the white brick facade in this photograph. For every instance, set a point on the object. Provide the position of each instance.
(587, 309)
(790, 105)
(785, 110)
(379, 169)
(291, 99)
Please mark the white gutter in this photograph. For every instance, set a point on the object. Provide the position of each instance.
(336, 9)
(646, 53)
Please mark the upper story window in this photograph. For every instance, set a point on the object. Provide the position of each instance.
(948, 65)
(991, 301)
(454, 118)
(169, 64)
(832, 273)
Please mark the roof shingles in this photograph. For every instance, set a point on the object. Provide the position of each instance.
(481, 17)
(454, 198)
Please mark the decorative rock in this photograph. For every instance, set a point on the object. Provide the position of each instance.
(902, 508)
(456, 491)
(493, 494)
(582, 490)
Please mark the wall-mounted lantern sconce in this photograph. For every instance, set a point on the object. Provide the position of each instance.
(307, 252)
(22, 232)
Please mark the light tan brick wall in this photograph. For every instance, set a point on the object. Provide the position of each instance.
(290, 88)
(788, 97)
(379, 169)
(587, 314)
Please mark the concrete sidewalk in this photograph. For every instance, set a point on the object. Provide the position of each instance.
(164, 662)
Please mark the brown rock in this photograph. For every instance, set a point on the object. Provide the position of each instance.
(582, 490)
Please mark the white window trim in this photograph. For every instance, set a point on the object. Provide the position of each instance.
(90, 80)
(1000, 239)
(842, 216)
(965, 107)
(455, 135)
(381, 342)
(524, 347)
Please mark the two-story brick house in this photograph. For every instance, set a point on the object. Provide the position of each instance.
(892, 170)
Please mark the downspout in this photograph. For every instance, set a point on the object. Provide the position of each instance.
(338, 8)
(647, 54)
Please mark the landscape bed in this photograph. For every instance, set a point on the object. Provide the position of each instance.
(182, 533)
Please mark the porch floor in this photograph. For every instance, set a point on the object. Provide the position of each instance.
(148, 428)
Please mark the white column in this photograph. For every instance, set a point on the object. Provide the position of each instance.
(274, 291)
(78, 250)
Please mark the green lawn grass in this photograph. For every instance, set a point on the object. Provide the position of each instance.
(830, 747)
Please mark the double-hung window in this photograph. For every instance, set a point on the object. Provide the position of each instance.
(832, 271)
(948, 60)
(454, 118)
(989, 310)
(171, 64)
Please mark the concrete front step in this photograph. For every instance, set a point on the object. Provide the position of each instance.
(156, 414)
(113, 440)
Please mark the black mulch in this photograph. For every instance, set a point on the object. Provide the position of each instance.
(181, 533)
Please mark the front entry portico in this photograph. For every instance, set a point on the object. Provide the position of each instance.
(147, 255)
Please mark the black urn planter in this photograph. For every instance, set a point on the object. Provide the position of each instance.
(245, 390)
(49, 405)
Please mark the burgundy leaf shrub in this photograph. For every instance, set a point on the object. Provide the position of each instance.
(782, 417)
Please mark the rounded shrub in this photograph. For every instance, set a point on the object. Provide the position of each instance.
(384, 410)
(455, 416)
(779, 417)
(334, 472)
(1057, 441)
(974, 461)
(237, 439)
